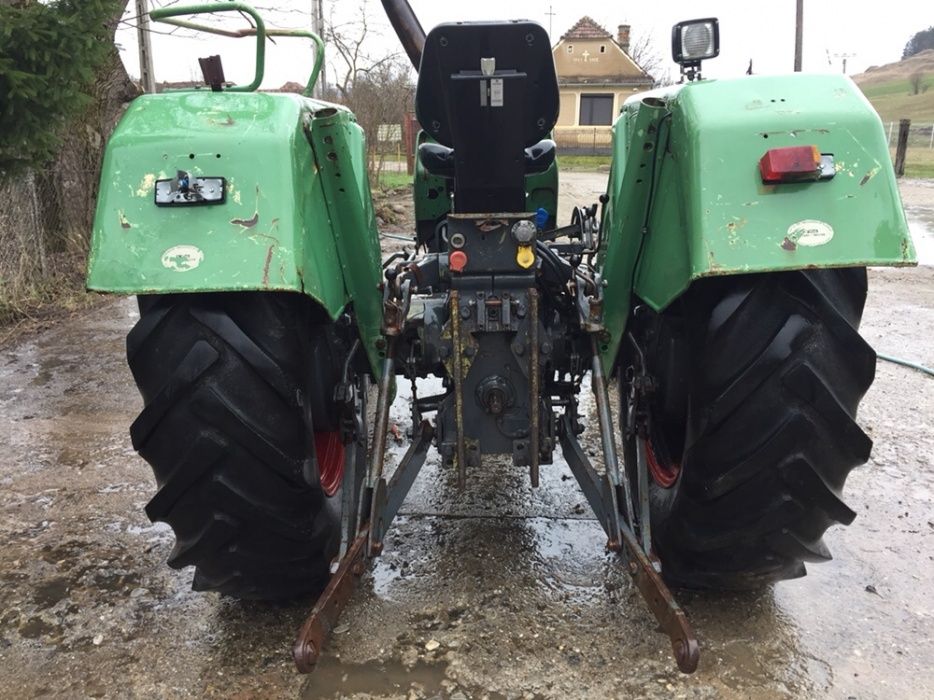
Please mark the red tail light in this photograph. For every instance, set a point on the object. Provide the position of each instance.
(791, 164)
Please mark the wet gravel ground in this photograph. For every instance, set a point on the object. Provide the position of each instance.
(499, 592)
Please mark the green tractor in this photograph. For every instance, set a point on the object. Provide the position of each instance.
(719, 282)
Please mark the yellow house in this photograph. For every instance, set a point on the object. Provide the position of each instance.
(595, 74)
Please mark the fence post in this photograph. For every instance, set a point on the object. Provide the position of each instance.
(932, 136)
(891, 126)
(904, 126)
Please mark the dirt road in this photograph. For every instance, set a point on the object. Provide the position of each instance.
(512, 584)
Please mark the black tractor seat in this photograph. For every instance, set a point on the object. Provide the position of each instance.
(440, 160)
(488, 96)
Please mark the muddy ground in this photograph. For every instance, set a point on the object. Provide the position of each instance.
(501, 592)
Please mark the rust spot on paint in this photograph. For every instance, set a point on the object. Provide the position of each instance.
(246, 223)
(266, 265)
(906, 249)
(124, 222)
(229, 121)
(489, 225)
(789, 244)
(868, 176)
(715, 267)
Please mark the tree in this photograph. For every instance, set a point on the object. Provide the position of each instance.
(643, 51)
(352, 41)
(376, 87)
(50, 56)
(921, 41)
(915, 80)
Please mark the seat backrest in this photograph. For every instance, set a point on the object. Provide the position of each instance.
(488, 90)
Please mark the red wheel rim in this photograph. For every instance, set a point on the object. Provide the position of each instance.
(664, 474)
(330, 451)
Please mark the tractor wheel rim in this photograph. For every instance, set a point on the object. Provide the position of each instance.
(330, 451)
(663, 473)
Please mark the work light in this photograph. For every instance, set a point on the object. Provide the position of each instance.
(693, 41)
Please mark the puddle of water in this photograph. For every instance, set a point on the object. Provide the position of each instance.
(921, 225)
(48, 593)
(335, 679)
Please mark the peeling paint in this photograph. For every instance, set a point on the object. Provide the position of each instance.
(246, 223)
(227, 121)
(269, 252)
(146, 185)
(871, 174)
(124, 222)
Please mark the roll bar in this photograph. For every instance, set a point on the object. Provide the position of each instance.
(169, 15)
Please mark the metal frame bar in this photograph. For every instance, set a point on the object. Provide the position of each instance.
(169, 15)
(458, 366)
(534, 391)
(657, 596)
(389, 496)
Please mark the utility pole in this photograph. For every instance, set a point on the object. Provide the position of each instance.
(551, 18)
(799, 34)
(147, 76)
(317, 26)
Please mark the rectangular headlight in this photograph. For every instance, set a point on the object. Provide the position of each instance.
(695, 40)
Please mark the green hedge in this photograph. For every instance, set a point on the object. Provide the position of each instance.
(50, 54)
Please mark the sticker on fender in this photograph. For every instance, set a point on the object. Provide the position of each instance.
(182, 258)
(809, 233)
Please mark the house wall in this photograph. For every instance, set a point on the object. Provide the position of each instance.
(584, 67)
(586, 59)
(570, 102)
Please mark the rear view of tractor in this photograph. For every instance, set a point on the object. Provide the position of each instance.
(720, 283)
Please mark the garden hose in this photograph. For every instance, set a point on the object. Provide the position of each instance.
(905, 363)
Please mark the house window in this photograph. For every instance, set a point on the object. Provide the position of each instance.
(570, 48)
(602, 48)
(596, 110)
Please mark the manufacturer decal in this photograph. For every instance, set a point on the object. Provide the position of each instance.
(808, 233)
(182, 258)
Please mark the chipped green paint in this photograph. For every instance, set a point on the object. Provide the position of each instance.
(712, 215)
(273, 232)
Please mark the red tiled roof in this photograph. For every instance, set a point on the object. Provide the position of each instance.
(586, 28)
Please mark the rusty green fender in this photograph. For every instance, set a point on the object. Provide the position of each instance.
(686, 199)
(297, 217)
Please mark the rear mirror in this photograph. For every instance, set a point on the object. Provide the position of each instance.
(693, 41)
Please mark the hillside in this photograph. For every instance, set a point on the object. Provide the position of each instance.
(888, 88)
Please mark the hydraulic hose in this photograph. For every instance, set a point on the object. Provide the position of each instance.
(905, 363)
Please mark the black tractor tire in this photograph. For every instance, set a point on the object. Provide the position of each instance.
(754, 417)
(232, 384)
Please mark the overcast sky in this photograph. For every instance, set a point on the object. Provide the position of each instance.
(872, 33)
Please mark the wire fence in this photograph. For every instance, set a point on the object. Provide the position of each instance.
(584, 141)
(919, 135)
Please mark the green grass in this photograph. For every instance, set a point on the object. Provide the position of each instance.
(391, 180)
(893, 100)
(919, 162)
(583, 162)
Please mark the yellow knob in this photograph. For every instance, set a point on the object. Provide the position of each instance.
(525, 257)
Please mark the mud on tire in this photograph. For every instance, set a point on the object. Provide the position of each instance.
(231, 384)
(762, 423)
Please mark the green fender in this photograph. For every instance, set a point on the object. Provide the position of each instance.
(687, 201)
(285, 224)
